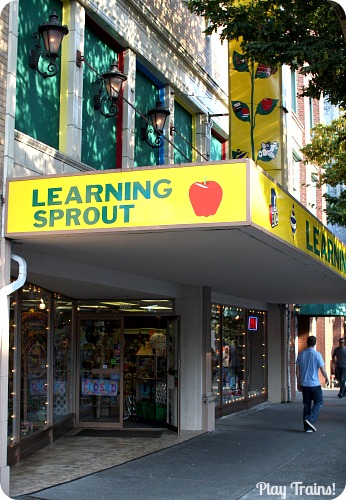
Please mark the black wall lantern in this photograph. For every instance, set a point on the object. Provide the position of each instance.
(153, 129)
(296, 309)
(52, 34)
(111, 84)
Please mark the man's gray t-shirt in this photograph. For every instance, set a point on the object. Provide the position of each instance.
(340, 354)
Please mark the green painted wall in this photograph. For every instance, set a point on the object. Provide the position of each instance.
(37, 109)
(146, 96)
(215, 149)
(98, 132)
(183, 124)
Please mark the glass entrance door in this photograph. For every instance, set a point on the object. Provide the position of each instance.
(100, 372)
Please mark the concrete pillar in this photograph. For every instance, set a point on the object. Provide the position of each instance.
(169, 149)
(5, 246)
(71, 102)
(197, 410)
(129, 114)
(4, 358)
(278, 379)
(203, 137)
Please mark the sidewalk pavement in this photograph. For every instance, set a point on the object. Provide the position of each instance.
(262, 453)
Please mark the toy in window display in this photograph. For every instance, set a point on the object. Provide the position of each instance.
(158, 343)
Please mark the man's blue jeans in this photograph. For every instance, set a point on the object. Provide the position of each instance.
(342, 379)
(313, 402)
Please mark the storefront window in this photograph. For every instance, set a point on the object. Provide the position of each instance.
(238, 355)
(216, 353)
(34, 361)
(62, 358)
(11, 373)
(233, 354)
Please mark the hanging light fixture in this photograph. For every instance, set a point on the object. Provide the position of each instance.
(296, 309)
(42, 304)
(157, 116)
(52, 34)
(111, 84)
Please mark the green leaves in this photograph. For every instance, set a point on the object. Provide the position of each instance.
(266, 106)
(241, 110)
(304, 34)
(327, 149)
(240, 62)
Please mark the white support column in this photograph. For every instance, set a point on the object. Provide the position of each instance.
(74, 76)
(5, 254)
(197, 410)
(129, 114)
(10, 94)
(277, 354)
(169, 103)
(203, 137)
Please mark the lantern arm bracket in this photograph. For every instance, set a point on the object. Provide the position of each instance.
(100, 99)
(150, 135)
(36, 54)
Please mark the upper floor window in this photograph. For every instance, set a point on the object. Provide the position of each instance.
(294, 90)
(38, 98)
(100, 141)
(183, 123)
(147, 94)
(296, 176)
(217, 148)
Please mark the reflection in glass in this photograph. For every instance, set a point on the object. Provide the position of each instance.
(34, 361)
(62, 358)
(216, 353)
(100, 359)
(233, 354)
(238, 354)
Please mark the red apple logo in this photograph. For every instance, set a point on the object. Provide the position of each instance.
(205, 197)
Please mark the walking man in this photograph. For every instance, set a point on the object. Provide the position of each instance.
(339, 356)
(309, 363)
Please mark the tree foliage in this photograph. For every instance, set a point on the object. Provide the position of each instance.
(327, 149)
(304, 34)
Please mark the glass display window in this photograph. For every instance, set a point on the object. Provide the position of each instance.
(62, 357)
(233, 354)
(34, 362)
(238, 355)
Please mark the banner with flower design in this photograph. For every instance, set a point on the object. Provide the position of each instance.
(255, 118)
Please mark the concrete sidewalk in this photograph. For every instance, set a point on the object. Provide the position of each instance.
(259, 454)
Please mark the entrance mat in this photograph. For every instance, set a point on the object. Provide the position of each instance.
(119, 433)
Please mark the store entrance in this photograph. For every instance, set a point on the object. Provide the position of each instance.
(100, 355)
(128, 371)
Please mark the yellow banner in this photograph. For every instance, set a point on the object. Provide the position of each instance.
(282, 215)
(203, 194)
(255, 118)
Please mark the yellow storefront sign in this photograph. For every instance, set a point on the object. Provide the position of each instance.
(117, 200)
(281, 215)
(223, 195)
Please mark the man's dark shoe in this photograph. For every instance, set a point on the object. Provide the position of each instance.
(339, 395)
